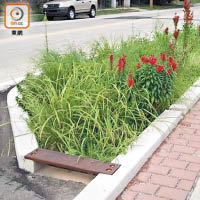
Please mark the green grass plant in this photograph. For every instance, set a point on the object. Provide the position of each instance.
(37, 17)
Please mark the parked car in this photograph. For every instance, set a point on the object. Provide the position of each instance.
(70, 8)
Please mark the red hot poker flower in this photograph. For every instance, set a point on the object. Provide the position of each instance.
(176, 19)
(159, 68)
(171, 60)
(144, 59)
(166, 31)
(120, 65)
(199, 30)
(176, 33)
(130, 80)
(152, 60)
(188, 15)
(186, 4)
(124, 60)
(111, 60)
(163, 56)
(169, 71)
(174, 66)
(138, 66)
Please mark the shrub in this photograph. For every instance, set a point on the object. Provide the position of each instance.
(157, 77)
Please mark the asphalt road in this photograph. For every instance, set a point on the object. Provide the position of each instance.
(15, 184)
(17, 53)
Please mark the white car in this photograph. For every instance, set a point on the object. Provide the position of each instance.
(70, 8)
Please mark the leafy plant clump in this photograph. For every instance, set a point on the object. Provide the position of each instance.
(97, 106)
(157, 77)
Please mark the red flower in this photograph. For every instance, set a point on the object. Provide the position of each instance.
(166, 31)
(138, 66)
(130, 80)
(111, 60)
(159, 68)
(174, 66)
(152, 60)
(163, 56)
(186, 4)
(169, 71)
(188, 15)
(144, 59)
(171, 60)
(199, 29)
(176, 33)
(120, 65)
(124, 60)
(176, 19)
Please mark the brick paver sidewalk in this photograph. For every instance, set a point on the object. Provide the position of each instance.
(173, 169)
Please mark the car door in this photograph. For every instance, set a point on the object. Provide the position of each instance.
(87, 5)
(80, 6)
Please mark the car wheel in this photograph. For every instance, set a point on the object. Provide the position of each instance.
(92, 13)
(50, 18)
(71, 14)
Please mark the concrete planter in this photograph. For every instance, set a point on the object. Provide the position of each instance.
(106, 187)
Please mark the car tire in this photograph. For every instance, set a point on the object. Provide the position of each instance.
(50, 18)
(71, 14)
(92, 13)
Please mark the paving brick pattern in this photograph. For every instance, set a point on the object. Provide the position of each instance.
(171, 172)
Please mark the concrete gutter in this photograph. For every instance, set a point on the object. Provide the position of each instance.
(106, 187)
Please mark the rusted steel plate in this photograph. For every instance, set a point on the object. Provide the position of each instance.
(76, 163)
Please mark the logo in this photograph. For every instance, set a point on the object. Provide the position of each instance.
(16, 16)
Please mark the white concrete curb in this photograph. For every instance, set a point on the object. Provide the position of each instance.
(106, 187)
(188, 99)
(4, 86)
(25, 141)
(196, 193)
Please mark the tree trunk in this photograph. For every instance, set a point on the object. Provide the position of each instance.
(151, 3)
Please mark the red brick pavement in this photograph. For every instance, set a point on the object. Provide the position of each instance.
(171, 172)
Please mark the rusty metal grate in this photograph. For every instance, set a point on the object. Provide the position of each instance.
(57, 159)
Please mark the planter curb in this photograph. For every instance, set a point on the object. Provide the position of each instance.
(197, 83)
(4, 86)
(187, 100)
(25, 141)
(106, 187)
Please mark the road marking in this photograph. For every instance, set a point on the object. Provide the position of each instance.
(34, 36)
